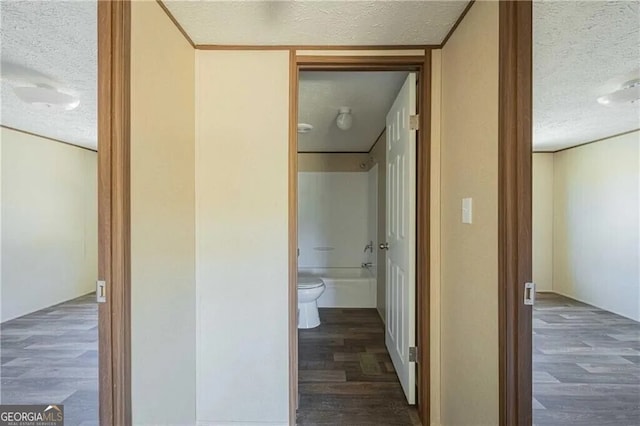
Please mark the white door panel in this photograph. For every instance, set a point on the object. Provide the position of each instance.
(400, 333)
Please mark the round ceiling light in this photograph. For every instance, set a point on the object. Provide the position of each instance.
(344, 121)
(629, 93)
(304, 128)
(46, 97)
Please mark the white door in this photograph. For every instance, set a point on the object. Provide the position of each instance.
(400, 333)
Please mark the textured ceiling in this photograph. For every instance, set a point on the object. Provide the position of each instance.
(316, 22)
(368, 94)
(57, 41)
(578, 48)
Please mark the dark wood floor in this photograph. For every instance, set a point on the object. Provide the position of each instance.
(51, 356)
(586, 365)
(345, 373)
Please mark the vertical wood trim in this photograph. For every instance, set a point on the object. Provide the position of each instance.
(515, 195)
(293, 237)
(423, 215)
(104, 210)
(114, 45)
(121, 214)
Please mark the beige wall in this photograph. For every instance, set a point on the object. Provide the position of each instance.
(162, 220)
(543, 221)
(242, 236)
(379, 154)
(331, 162)
(49, 223)
(596, 250)
(469, 165)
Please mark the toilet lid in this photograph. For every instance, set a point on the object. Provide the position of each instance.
(309, 282)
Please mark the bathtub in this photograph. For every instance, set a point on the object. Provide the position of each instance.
(345, 287)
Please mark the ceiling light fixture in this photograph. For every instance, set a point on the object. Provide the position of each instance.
(304, 128)
(344, 121)
(46, 96)
(629, 93)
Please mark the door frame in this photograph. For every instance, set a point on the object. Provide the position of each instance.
(114, 236)
(422, 66)
(515, 212)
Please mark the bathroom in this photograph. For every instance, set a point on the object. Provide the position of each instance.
(341, 189)
(348, 216)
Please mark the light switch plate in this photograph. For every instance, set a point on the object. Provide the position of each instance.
(467, 210)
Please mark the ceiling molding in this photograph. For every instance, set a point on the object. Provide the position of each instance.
(453, 29)
(47, 138)
(315, 47)
(378, 139)
(176, 23)
(589, 142)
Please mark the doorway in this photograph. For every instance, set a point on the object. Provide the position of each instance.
(339, 318)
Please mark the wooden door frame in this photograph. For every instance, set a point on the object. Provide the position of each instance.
(422, 66)
(114, 236)
(514, 211)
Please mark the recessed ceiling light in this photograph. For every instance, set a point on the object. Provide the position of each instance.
(304, 128)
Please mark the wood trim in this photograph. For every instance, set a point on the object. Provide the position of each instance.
(453, 29)
(333, 152)
(588, 143)
(379, 138)
(514, 212)
(423, 239)
(176, 23)
(104, 210)
(293, 237)
(47, 137)
(114, 48)
(422, 65)
(369, 63)
(315, 47)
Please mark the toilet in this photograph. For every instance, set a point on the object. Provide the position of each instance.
(309, 290)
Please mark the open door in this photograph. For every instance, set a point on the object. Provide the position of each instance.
(400, 332)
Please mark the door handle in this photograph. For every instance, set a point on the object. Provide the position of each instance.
(384, 246)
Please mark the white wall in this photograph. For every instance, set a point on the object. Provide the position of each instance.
(543, 221)
(333, 219)
(596, 224)
(49, 223)
(163, 327)
(242, 236)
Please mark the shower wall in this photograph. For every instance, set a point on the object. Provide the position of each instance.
(332, 219)
(334, 211)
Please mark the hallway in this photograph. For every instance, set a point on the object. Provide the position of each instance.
(345, 373)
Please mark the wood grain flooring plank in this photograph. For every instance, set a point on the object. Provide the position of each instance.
(358, 385)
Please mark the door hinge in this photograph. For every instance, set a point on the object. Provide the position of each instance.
(101, 291)
(414, 122)
(529, 293)
(413, 354)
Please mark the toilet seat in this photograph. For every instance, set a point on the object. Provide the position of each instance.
(309, 282)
